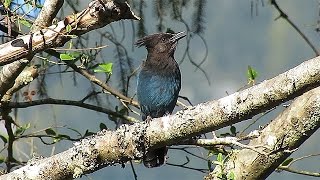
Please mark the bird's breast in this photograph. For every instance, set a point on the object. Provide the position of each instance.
(158, 92)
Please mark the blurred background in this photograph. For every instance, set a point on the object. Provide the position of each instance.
(224, 38)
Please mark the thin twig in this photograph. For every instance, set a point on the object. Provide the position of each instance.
(285, 16)
(306, 173)
(71, 103)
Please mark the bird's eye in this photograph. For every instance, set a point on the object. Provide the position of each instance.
(163, 39)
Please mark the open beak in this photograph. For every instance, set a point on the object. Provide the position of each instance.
(178, 36)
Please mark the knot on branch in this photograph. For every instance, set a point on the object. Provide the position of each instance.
(108, 11)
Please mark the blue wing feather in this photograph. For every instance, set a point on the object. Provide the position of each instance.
(157, 93)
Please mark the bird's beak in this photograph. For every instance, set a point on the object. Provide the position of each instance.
(178, 36)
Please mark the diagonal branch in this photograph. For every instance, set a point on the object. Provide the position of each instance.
(129, 141)
(11, 71)
(283, 136)
(105, 86)
(98, 14)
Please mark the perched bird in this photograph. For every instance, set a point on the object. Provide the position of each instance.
(159, 83)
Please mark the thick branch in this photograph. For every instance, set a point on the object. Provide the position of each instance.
(10, 72)
(48, 12)
(95, 16)
(283, 136)
(130, 141)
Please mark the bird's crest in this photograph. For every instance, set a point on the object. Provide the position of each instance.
(154, 39)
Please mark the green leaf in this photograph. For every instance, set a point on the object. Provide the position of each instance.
(63, 136)
(67, 57)
(123, 111)
(70, 44)
(252, 74)
(105, 68)
(25, 23)
(88, 133)
(103, 126)
(50, 132)
(233, 130)
(287, 161)
(39, 5)
(170, 31)
(68, 28)
(231, 176)
(60, 137)
(56, 139)
(4, 138)
(22, 129)
(2, 159)
(220, 157)
(75, 54)
(7, 3)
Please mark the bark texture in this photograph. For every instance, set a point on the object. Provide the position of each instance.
(282, 137)
(130, 141)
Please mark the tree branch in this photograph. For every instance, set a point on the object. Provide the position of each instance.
(11, 71)
(306, 173)
(283, 136)
(130, 141)
(98, 14)
(71, 103)
(105, 86)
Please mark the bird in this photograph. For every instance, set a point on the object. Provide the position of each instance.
(158, 84)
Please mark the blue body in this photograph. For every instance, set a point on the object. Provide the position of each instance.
(159, 83)
(158, 91)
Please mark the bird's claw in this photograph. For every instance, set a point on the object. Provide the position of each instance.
(148, 120)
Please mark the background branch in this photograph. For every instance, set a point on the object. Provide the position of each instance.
(71, 103)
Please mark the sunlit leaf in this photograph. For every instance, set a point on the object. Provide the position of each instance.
(231, 176)
(25, 23)
(67, 57)
(68, 28)
(22, 129)
(251, 74)
(105, 68)
(220, 157)
(7, 3)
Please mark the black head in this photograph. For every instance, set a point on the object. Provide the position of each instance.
(161, 42)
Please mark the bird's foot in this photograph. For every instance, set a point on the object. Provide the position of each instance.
(167, 114)
(148, 120)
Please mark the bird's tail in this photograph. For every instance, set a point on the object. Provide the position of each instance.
(155, 158)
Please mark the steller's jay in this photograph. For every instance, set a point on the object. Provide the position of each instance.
(159, 83)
